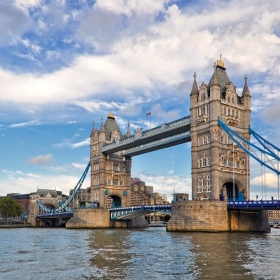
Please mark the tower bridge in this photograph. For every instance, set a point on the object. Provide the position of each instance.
(220, 162)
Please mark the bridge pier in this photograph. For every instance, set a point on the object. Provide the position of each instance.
(214, 216)
(244, 220)
(100, 218)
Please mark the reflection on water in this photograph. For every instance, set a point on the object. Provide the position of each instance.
(222, 255)
(137, 254)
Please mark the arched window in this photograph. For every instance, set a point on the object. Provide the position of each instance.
(232, 100)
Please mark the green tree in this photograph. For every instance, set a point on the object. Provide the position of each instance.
(9, 208)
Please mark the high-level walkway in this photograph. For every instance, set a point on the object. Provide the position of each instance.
(166, 135)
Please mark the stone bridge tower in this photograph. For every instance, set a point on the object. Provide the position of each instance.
(219, 167)
(50, 198)
(111, 173)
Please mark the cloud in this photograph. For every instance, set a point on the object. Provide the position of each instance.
(40, 159)
(28, 184)
(166, 184)
(67, 143)
(14, 23)
(79, 166)
(268, 180)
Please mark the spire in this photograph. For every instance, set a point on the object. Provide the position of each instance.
(214, 81)
(111, 115)
(92, 129)
(220, 63)
(102, 128)
(246, 91)
(128, 133)
(194, 87)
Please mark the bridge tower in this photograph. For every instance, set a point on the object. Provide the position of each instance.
(219, 167)
(110, 173)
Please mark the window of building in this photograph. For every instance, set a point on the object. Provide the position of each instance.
(202, 140)
(116, 167)
(115, 182)
(204, 162)
(203, 110)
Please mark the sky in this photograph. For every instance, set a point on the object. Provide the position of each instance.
(66, 64)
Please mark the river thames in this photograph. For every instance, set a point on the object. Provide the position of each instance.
(153, 253)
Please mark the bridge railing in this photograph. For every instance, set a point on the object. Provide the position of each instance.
(255, 204)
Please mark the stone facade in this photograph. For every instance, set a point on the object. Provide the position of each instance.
(213, 216)
(50, 198)
(110, 174)
(206, 215)
(219, 166)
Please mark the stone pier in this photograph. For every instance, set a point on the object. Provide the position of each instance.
(100, 218)
(213, 216)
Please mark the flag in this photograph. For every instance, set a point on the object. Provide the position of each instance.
(148, 114)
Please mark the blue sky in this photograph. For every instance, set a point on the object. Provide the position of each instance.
(66, 64)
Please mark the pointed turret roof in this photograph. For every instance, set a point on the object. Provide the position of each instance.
(194, 87)
(246, 91)
(110, 125)
(221, 75)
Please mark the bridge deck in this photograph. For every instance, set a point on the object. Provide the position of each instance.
(160, 137)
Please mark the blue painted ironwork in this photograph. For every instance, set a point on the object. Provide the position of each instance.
(255, 205)
(266, 144)
(55, 215)
(25, 214)
(122, 212)
(65, 205)
(252, 149)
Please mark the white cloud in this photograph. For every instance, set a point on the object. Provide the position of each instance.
(41, 159)
(28, 184)
(67, 143)
(268, 180)
(166, 184)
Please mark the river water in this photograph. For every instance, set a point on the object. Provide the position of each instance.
(153, 253)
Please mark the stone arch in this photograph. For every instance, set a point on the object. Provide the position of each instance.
(232, 189)
(116, 201)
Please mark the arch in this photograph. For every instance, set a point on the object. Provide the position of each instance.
(233, 191)
(116, 201)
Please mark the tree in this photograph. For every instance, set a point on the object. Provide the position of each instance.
(9, 208)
